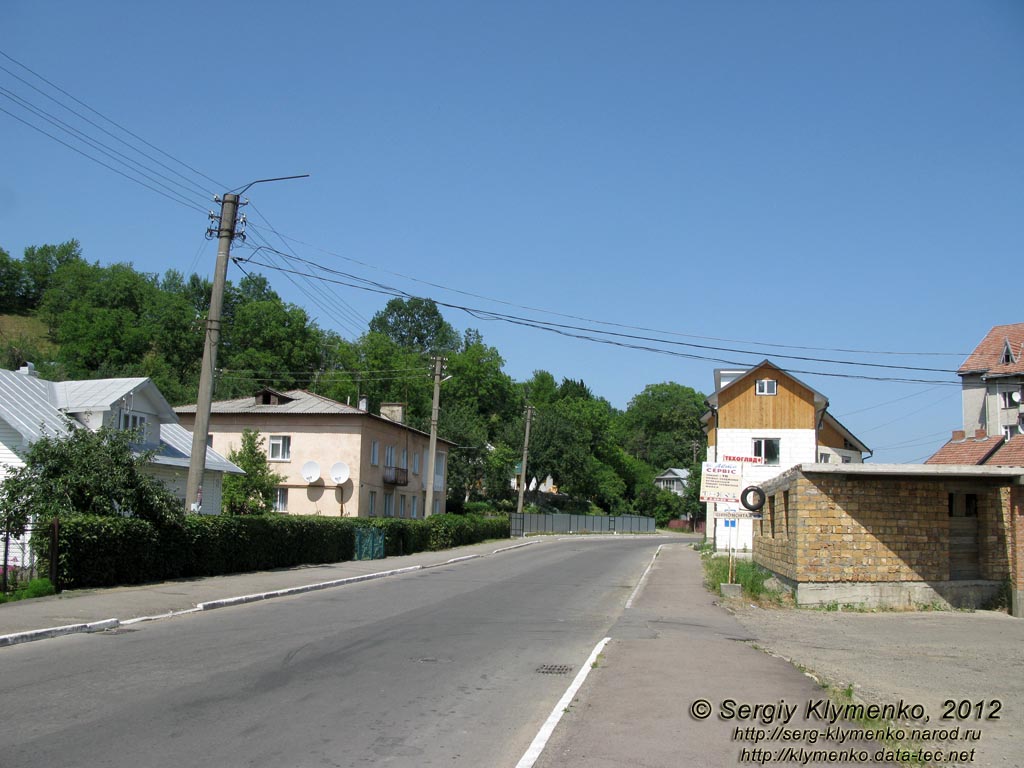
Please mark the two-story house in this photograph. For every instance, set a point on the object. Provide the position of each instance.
(767, 420)
(673, 479)
(31, 407)
(992, 390)
(992, 378)
(335, 459)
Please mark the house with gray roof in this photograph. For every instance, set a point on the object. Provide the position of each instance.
(31, 408)
(334, 459)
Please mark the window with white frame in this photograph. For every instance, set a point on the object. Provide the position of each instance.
(824, 458)
(389, 505)
(389, 455)
(280, 448)
(1006, 399)
(1010, 430)
(766, 387)
(373, 503)
(401, 505)
(439, 468)
(416, 462)
(405, 459)
(767, 448)
(133, 421)
(413, 506)
(280, 499)
(374, 453)
(437, 506)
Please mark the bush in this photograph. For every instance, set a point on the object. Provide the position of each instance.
(102, 551)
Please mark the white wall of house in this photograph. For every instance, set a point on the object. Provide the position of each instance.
(796, 446)
(175, 479)
(10, 439)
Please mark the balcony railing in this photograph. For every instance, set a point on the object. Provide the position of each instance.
(396, 475)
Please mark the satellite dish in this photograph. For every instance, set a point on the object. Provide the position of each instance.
(1015, 396)
(310, 471)
(340, 472)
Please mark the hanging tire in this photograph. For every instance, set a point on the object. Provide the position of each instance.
(755, 504)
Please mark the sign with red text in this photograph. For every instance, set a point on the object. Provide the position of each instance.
(744, 459)
(721, 482)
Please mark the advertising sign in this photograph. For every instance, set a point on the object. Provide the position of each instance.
(721, 482)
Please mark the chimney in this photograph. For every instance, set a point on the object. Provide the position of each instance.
(28, 369)
(959, 435)
(364, 404)
(393, 412)
(980, 434)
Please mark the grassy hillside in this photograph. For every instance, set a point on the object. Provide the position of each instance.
(27, 336)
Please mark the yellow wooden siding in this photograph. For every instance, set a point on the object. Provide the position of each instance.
(792, 407)
(830, 437)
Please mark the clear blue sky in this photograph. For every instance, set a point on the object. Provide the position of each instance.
(829, 175)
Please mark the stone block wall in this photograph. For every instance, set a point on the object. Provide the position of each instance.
(857, 528)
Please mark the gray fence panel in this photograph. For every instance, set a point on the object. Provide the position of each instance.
(565, 523)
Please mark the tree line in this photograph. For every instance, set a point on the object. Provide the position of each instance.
(113, 321)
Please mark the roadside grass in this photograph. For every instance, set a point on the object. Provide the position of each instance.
(34, 588)
(749, 575)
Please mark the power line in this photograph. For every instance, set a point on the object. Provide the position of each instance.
(611, 324)
(105, 165)
(113, 154)
(348, 307)
(489, 314)
(109, 120)
(562, 330)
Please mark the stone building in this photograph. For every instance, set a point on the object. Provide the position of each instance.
(895, 534)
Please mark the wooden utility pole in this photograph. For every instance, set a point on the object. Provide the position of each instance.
(428, 507)
(522, 468)
(197, 462)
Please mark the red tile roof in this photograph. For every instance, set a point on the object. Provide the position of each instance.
(970, 451)
(1010, 454)
(988, 355)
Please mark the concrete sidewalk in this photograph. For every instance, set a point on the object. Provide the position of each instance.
(95, 610)
(673, 650)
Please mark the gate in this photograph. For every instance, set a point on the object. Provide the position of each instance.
(369, 544)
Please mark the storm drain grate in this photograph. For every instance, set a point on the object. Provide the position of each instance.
(554, 669)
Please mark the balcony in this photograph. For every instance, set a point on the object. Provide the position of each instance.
(396, 475)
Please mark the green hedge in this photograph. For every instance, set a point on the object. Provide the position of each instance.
(107, 551)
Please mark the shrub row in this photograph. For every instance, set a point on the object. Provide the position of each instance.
(107, 551)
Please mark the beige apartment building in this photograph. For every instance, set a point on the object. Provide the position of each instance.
(336, 460)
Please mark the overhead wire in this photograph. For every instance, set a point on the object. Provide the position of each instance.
(355, 322)
(576, 332)
(105, 165)
(109, 120)
(613, 324)
(116, 156)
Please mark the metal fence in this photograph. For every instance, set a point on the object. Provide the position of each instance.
(20, 562)
(523, 524)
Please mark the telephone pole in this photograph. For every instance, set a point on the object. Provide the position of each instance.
(197, 462)
(200, 430)
(526, 451)
(428, 507)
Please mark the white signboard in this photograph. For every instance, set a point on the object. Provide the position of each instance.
(721, 482)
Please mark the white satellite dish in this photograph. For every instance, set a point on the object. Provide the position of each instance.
(340, 472)
(1015, 397)
(310, 471)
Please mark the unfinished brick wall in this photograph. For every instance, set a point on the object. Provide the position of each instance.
(875, 529)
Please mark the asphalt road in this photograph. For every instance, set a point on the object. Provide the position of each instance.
(437, 667)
